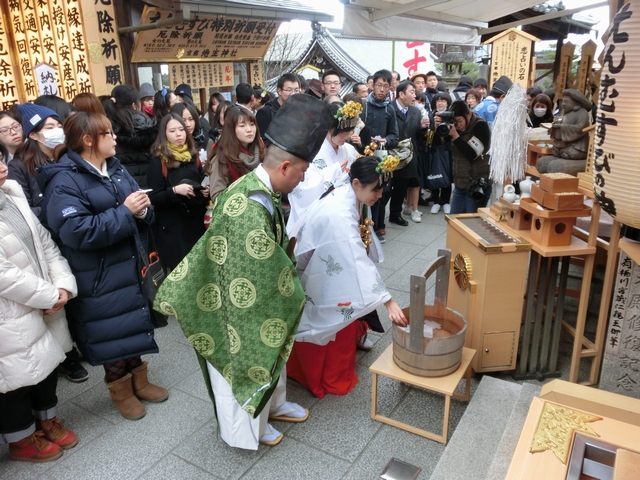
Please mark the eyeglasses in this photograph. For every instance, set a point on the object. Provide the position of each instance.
(110, 133)
(289, 90)
(382, 86)
(14, 127)
(332, 84)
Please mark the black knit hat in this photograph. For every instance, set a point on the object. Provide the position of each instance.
(502, 85)
(300, 126)
(480, 82)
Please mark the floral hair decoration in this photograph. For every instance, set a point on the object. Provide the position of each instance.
(348, 115)
(386, 167)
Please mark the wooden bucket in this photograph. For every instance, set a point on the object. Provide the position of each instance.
(440, 355)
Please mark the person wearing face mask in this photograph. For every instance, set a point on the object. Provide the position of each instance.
(43, 133)
(542, 111)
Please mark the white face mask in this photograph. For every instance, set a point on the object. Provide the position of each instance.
(53, 137)
(539, 112)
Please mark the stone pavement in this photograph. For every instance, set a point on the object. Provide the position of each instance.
(177, 439)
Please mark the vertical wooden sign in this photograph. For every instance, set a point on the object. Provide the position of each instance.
(565, 78)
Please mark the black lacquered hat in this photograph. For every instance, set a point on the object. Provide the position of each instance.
(300, 126)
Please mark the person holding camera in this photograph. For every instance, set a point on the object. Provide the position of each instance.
(470, 141)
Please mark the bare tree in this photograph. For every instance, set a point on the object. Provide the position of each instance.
(285, 49)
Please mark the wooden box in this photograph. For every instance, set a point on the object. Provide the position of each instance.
(538, 211)
(519, 219)
(496, 265)
(552, 232)
(557, 201)
(559, 182)
(534, 152)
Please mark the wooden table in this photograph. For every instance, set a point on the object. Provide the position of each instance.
(446, 385)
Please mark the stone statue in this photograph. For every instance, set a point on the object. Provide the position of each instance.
(570, 143)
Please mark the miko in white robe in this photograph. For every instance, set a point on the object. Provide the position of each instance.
(341, 283)
(324, 171)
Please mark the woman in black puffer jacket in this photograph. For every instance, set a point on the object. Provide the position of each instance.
(136, 132)
(92, 206)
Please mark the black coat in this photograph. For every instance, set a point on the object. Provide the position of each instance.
(18, 172)
(266, 114)
(409, 128)
(98, 235)
(381, 121)
(132, 148)
(179, 220)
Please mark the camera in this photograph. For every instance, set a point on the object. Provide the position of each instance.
(447, 123)
(476, 188)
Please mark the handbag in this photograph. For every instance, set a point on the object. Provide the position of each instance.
(153, 275)
(403, 152)
(439, 171)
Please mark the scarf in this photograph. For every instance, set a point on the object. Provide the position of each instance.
(249, 163)
(374, 101)
(148, 111)
(181, 153)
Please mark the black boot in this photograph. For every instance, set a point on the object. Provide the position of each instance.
(72, 368)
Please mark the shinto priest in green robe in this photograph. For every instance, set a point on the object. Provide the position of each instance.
(238, 300)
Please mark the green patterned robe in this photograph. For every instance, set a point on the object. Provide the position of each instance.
(237, 295)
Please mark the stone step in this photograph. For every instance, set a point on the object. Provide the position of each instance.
(470, 452)
(507, 446)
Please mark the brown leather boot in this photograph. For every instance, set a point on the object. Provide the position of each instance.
(56, 433)
(145, 390)
(125, 401)
(35, 448)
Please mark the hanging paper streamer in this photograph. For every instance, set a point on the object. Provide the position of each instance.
(616, 172)
(509, 137)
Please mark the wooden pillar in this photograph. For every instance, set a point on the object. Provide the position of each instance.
(123, 19)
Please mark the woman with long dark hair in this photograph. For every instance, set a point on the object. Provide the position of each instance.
(175, 175)
(136, 133)
(92, 207)
(215, 99)
(218, 120)
(335, 253)
(238, 151)
(43, 131)
(190, 117)
(162, 102)
(541, 110)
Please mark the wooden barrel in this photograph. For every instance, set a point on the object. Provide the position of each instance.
(440, 355)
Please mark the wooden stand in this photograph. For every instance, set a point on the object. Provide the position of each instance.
(534, 152)
(446, 385)
(492, 304)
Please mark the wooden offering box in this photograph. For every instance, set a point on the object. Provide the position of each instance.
(557, 201)
(552, 228)
(517, 218)
(559, 182)
(487, 287)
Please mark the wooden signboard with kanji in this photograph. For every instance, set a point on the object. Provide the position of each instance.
(511, 53)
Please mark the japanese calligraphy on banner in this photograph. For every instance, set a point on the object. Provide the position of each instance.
(412, 57)
(103, 44)
(621, 363)
(202, 38)
(50, 33)
(201, 75)
(511, 56)
(8, 87)
(255, 73)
